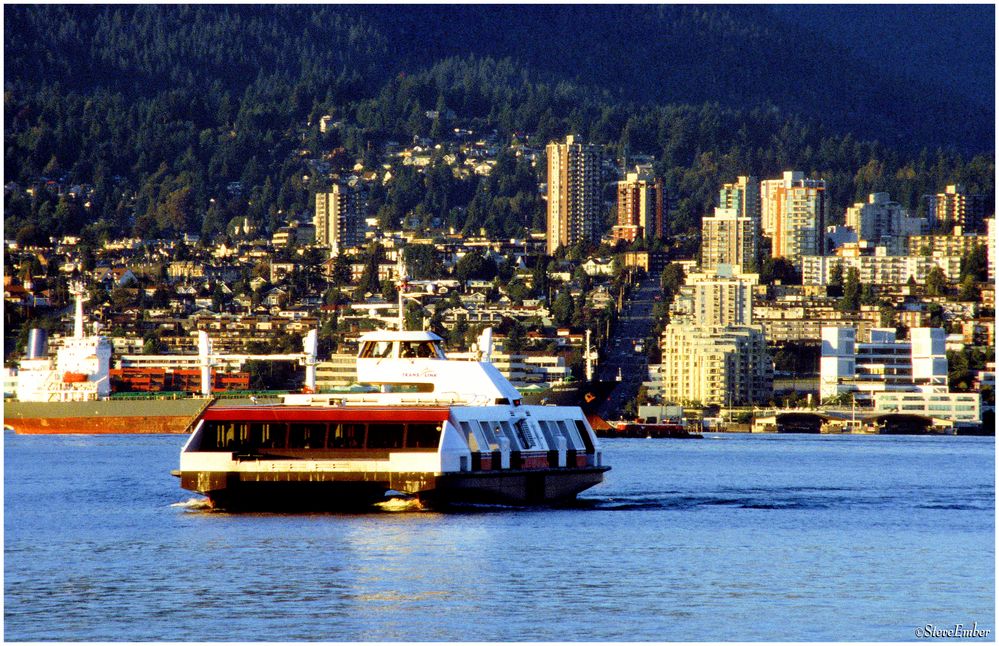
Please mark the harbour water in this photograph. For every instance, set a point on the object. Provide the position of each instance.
(733, 537)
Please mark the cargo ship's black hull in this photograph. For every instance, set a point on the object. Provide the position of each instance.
(588, 395)
(659, 431)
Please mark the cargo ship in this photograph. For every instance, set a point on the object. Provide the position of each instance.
(104, 416)
(588, 394)
(438, 431)
(647, 430)
(71, 392)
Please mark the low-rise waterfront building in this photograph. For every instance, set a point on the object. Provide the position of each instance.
(955, 407)
(882, 363)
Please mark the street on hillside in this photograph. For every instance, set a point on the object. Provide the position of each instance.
(624, 354)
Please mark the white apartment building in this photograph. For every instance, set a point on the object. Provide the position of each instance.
(523, 369)
(769, 203)
(878, 269)
(991, 238)
(881, 364)
(728, 238)
(743, 195)
(880, 221)
(724, 365)
(801, 222)
(720, 297)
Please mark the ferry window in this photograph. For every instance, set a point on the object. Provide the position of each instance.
(230, 436)
(547, 432)
(426, 350)
(581, 429)
(570, 436)
(306, 436)
(347, 436)
(423, 436)
(487, 432)
(211, 437)
(267, 436)
(519, 429)
(473, 441)
(376, 349)
(516, 442)
(384, 436)
(524, 428)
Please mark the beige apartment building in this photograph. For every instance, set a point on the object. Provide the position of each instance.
(878, 269)
(723, 365)
(722, 297)
(881, 221)
(728, 238)
(574, 201)
(966, 210)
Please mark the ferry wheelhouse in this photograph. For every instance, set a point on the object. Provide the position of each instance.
(438, 430)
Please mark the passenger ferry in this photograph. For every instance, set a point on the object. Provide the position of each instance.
(439, 431)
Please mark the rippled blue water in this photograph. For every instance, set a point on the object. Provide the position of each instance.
(732, 537)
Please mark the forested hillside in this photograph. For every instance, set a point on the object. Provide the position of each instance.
(161, 108)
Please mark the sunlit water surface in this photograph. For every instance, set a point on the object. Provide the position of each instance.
(733, 537)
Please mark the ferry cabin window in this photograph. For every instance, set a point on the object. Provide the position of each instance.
(347, 436)
(423, 436)
(517, 441)
(267, 436)
(419, 350)
(385, 436)
(305, 435)
(521, 431)
(225, 436)
(470, 437)
(376, 350)
(571, 436)
(546, 430)
(585, 436)
(487, 432)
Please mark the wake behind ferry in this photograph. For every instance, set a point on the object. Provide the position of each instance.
(439, 431)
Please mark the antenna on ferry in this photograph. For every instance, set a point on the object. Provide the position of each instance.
(401, 284)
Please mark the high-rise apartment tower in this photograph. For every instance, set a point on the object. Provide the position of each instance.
(338, 218)
(574, 202)
(640, 201)
(796, 209)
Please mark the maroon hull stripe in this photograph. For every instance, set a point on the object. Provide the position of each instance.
(324, 414)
